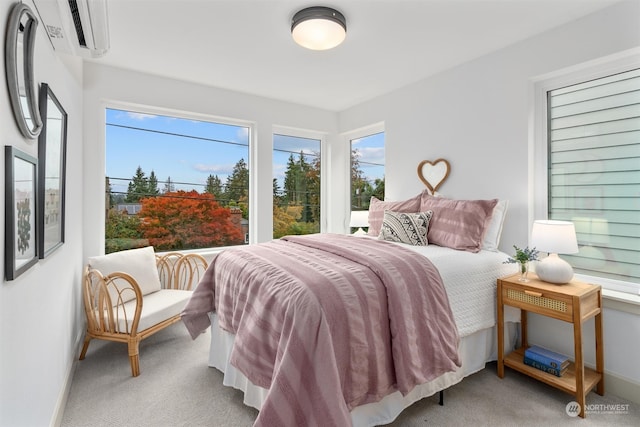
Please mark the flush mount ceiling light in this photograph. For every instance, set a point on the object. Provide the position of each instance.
(318, 28)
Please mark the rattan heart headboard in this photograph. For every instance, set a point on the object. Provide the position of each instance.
(433, 174)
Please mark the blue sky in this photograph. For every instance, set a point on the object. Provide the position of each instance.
(189, 151)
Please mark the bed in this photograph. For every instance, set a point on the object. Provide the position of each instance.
(338, 330)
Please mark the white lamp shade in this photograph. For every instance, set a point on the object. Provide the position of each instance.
(359, 219)
(554, 237)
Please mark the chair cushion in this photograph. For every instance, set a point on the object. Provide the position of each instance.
(138, 263)
(158, 306)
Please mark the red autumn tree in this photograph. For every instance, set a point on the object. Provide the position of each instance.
(187, 219)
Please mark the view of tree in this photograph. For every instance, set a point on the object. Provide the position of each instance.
(152, 184)
(122, 232)
(214, 186)
(237, 183)
(182, 219)
(186, 210)
(175, 220)
(168, 186)
(283, 218)
(313, 190)
(361, 188)
(302, 186)
(138, 187)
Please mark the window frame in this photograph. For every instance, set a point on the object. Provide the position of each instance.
(538, 139)
(187, 115)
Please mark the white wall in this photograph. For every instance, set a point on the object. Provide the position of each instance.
(40, 311)
(477, 117)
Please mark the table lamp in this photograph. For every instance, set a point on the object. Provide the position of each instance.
(359, 219)
(554, 237)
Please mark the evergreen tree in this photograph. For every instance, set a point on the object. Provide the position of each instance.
(302, 188)
(237, 186)
(277, 197)
(138, 187)
(214, 186)
(313, 187)
(152, 184)
(290, 178)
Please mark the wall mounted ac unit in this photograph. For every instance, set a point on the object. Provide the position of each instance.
(76, 27)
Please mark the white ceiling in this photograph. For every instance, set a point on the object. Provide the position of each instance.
(246, 45)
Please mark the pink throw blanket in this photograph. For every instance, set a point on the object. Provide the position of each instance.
(328, 322)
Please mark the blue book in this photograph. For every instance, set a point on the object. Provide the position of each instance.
(547, 357)
(546, 368)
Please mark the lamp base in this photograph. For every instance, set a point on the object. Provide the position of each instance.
(360, 232)
(554, 269)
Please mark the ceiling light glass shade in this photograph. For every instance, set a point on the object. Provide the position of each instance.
(319, 28)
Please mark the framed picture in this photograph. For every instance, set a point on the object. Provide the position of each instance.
(52, 148)
(21, 228)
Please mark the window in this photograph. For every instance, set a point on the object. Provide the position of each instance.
(174, 183)
(367, 170)
(296, 185)
(593, 174)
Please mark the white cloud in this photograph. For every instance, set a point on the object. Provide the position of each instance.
(371, 154)
(215, 169)
(140, 116)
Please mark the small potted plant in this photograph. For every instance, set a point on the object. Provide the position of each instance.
(522, 258)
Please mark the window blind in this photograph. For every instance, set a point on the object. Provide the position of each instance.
(594, 172)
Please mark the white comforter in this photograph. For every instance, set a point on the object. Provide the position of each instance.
(470, 284)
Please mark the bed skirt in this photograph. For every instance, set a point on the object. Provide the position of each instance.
(476, 350)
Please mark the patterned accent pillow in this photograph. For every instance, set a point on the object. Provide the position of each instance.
(410, 228)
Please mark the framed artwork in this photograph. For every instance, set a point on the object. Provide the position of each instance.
(21, 228)
(52, 148)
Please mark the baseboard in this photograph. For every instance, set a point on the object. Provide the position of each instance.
(56, 419)
(622, 387)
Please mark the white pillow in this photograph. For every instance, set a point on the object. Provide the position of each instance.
(491, 239)
(138, 263)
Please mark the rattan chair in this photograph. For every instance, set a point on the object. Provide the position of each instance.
(120, 308)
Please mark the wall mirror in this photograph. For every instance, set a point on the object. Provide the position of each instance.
(19, 50)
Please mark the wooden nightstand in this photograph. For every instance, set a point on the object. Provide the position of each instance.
(573, 302)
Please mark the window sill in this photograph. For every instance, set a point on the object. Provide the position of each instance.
(621, 301)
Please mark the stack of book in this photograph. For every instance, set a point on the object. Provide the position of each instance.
(546, 360)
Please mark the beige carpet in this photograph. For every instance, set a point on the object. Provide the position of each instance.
(176, 388)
